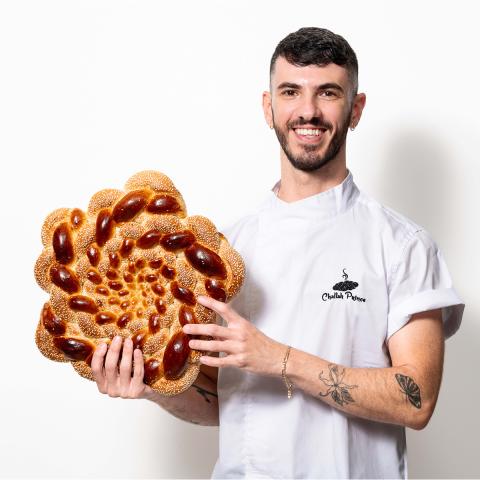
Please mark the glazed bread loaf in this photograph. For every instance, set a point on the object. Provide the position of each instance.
(132, 265)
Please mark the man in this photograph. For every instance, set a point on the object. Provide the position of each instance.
(335, 343)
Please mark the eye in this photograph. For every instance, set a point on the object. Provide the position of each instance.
(287, 92)
(329, 93)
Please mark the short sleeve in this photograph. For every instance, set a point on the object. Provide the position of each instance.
(421, 281)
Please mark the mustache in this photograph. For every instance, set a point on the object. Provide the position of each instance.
(314, 122)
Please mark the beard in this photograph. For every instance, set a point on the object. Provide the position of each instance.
(309, 160)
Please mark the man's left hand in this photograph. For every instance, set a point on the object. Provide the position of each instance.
(245, 346)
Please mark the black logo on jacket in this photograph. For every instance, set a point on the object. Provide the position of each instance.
(343, 291)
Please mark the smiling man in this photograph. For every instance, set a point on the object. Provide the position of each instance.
(311, 141)
(335, 343)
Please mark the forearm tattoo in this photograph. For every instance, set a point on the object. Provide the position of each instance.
(410, 389)
(204, 393)
(336, 388)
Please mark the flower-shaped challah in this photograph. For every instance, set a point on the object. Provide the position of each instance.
(132, 265)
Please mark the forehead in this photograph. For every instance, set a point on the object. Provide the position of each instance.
(311, 75)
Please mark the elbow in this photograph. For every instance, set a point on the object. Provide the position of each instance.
(421, 418)
(418, 425)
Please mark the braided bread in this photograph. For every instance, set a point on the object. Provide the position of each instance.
(132, 266)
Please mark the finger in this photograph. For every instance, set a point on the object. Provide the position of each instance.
(216, 362)
(211, 345)
(111, 361)
(223, 309)
(208, 329)
(138, 369)
(126, 363)
(97, 366)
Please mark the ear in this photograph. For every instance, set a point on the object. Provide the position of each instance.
(267, 107)
(357, 109)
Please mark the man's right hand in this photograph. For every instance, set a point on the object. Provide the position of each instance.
(114, 378)
(198, 404)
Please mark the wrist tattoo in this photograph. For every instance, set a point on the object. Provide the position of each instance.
(336, 388)
(410, 389)
(204, 393)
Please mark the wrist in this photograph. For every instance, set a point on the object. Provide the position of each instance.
(276, 360)
(150, 394)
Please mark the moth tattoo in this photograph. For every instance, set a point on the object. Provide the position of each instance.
(410, 389)
(336, 388)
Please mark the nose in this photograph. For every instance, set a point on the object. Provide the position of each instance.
(309, 109)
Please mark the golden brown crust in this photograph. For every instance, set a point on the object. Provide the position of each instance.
(132, 265)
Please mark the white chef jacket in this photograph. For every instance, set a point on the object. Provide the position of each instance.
(335, 275)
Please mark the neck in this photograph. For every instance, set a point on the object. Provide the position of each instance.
(297, 184)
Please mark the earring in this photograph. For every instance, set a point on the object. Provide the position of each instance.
(271, 126)
(352, 128)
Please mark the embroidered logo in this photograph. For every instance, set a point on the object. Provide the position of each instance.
(346, 284)
(343, 291)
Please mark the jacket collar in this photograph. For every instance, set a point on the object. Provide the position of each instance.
(327, 204)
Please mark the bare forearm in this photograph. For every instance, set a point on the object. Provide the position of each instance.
(389, 395)
(198, 404)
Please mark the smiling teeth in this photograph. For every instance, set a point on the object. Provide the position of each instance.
(305, 131)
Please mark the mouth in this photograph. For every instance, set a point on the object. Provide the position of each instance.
(309, 135)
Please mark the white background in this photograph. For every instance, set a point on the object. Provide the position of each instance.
(94, 91)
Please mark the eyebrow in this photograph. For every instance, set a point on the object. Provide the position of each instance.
(323, 86)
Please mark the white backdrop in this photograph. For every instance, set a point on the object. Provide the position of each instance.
(93, 91)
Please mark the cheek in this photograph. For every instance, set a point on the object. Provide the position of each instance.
(285, 115)
(334, 114)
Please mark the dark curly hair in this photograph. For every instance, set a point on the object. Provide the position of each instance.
(317, 46)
